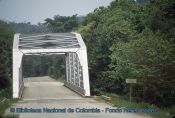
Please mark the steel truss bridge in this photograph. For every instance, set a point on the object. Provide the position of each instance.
(71, 45)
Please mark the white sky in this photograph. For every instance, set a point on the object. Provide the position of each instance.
(35, 11)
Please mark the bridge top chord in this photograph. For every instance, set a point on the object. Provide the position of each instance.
(48, 41)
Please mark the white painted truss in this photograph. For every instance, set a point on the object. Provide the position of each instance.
(71, 45)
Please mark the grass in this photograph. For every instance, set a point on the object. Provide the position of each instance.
(6, 104)
(120, 101)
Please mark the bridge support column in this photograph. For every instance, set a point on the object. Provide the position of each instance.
(17, 69)
(17, 74)
(82, 54)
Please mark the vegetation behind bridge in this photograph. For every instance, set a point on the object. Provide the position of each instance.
(131, 40)
(6, 42)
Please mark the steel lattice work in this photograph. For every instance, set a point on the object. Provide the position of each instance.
(71, 45)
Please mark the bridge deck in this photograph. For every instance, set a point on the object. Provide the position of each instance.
(46, 88)
(45, 92)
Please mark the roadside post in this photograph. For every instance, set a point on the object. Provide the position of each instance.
(131, 81)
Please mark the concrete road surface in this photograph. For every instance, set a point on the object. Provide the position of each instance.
(44, 97)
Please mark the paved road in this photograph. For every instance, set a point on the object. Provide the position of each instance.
(46, 93)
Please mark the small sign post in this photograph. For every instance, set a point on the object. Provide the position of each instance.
(131, 81)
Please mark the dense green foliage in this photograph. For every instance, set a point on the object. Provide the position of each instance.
(62, 23)
(28, 28)
(43, 65)
(131, 40)
(6, 40)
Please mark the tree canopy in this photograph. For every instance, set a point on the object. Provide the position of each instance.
(131, 40)
(6, 40)
(62, 23)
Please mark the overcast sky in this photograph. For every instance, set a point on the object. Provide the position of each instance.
(35, 11)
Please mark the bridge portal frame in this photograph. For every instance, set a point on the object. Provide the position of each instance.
(81, 53)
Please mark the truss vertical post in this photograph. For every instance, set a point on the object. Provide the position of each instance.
(82, 54)
(17, 69)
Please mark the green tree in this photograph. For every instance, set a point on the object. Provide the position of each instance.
(6, 39)
(132, 40)
(62, 23)
(28, 28)
(149, 59)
